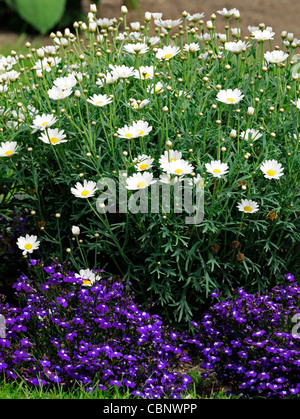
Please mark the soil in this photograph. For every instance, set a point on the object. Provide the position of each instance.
(279, 14)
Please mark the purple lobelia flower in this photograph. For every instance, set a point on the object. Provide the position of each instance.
(66, 333)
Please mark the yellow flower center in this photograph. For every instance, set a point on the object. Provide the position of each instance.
(85, 193)
(230, 99)
(44, 124)
(86, 282)
(141, 184)
(141, 133)
(217, 171)
(54, 140)
(167, 56)
(99, 103)
(271, 172)
(143, 166)
(172, 160)
(178, 171)
(247, 209)
(9, 153)
(28, 246)
(128, 135)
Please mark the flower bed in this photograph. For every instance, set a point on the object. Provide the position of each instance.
(252, 341)
(86, 329)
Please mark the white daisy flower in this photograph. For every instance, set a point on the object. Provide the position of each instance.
(53, 136)
(109, 78)
(99, 100)
(168, 157)
(251, 134)
(195, 17)
(56, 93)
(193, 47)
(275, 57)
(156, 15)
(6, 63)
(272, 169)
(229, 96)
(262, 36)
(42, 122)
(8, 149)
(197, 181)
(138, 48)
(65, 83)
(178, 167)
(140, 181)
(252, 29)
(143, 162)
(127, 132)
(135, 26)
(64, 42)
(50, 49)
(142, 128)
(216, 168)
(78, 75)
(167, 24)
(134, 36)
(144, 72)
(205, 37)
(165, 178)
(236, 47)
(105, 22)
(152, 40)
(139, 104)
(157, 89)
(88, 277)
(248, 206)
(122, 71)
(227, 13)
(236, 32)
(12, 75)
(46, 64)
(87, 190)
(167, 52)
(28, 244)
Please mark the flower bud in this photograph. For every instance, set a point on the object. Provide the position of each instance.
(75, 230)
(92, 26)
(250, 111)
(209, 24)
(233, 134)
(93, 8)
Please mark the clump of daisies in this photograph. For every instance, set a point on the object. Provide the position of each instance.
(126, 130)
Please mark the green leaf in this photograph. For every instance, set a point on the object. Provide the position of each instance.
(11, 4)
(43, 15)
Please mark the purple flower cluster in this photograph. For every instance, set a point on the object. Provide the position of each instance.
(252, 341)
(65, 332)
